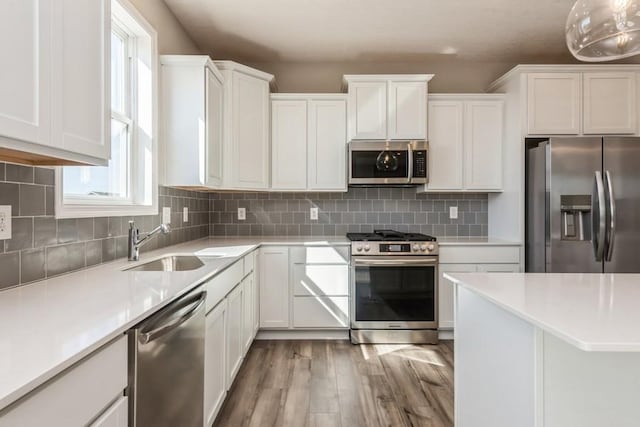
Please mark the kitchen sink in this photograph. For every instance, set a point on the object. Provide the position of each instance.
(170, 263)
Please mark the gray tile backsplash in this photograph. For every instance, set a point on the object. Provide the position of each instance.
(42, 246)
(358, 210)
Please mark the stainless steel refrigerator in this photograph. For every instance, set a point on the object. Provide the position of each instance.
(583, 205)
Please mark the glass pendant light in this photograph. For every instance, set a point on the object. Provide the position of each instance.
(604, 30)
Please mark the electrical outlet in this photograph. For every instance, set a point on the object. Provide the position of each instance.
(242, 214)
(313, 214)
(166, 215)
(5, 222)
(453, 212)
(185, 214)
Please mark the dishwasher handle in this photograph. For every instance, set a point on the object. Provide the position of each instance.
(175, 316)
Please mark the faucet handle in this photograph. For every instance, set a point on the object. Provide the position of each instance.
(131, 224)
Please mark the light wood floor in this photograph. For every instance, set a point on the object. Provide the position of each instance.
(336, 384)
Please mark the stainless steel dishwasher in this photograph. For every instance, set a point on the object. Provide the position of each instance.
(166, 366)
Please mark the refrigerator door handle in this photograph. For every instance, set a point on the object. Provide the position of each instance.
(599, 228)
(612, 217)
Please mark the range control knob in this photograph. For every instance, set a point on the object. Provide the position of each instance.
(423, 247)
(359, 248)
(431, 246)
(416, 247)
(367, 248)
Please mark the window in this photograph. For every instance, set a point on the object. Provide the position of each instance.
(127, 186)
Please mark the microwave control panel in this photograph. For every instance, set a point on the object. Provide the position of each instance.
(420, 164)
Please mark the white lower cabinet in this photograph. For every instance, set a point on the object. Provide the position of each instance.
(470, 259)
(215, 387)
(321, 312)
(78, 395)
(234, 333)
(274, 287)
(116, 416)
(247, 313)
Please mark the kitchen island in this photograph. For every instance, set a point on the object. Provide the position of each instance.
(552, 350)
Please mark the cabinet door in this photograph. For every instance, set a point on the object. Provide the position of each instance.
(234, 333)
(117, 415)
(368, 110)
(483, 145)
(499, 268)
(554, 103)
(247, 314)
(80, 40)
(256, 295)
(407, 110)
(213, 123)
(320, 280)
(445, 145)
(321, 312)
(25, 73)
(289, 144)
(250, 132)
(610, 101)
(445, 295)
(215, 388)
(274, 287)
(327, 145)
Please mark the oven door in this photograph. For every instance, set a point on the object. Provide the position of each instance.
(394, 293)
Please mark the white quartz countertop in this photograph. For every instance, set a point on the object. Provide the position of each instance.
(593, 312)
(475, 241)
(49, 325)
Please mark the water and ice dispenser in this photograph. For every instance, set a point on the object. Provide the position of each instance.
(576, 217)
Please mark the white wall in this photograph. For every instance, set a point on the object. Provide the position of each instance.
(172, 38)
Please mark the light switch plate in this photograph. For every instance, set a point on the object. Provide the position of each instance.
(185, 214)
(5, 222)
(166, 215)
(242, 214)
(313, 214)
(453, 212)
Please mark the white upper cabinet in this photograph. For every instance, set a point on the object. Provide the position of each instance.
(483, 145)
(554, 103)
(192, 95)
(308, 142)
(465, 142)
(327, 170)
(54, 91)
(407, 109)
(246, 127)
(387, 107)
(289, 144)
(446, 136)
(610, 103)
(368, 110)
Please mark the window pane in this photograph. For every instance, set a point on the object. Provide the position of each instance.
(118, 73)
(111, 181)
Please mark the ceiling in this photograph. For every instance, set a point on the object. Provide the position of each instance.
(515, 31)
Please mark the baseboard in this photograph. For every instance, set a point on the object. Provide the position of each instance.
(326, 334)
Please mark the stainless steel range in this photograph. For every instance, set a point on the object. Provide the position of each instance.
(394, 288)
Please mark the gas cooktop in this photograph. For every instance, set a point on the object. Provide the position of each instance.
(389, 236)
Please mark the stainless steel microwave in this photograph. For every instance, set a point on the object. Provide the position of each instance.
(393, 163)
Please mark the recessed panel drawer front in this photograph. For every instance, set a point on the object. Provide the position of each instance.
(219, 286)
(319, 254)
(320, 312)
(320, 280)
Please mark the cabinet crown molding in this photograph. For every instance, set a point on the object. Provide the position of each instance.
(235, 66)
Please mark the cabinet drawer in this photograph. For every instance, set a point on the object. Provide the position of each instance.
(249, 261)
(77, 395)
(479, 254)
(320, 280)
(320, 312)
(219, 286)
(319, 254)
(116, 416)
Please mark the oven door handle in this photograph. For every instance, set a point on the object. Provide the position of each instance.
(427, 262)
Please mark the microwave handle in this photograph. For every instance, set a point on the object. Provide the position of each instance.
(410, 161)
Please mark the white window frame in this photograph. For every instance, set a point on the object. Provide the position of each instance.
(143, 47)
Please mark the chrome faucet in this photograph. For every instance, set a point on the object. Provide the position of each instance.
(135, 242)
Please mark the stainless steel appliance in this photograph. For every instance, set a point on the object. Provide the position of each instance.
(389, 163)
(394, 288)
(166, 367)
(582, 205)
